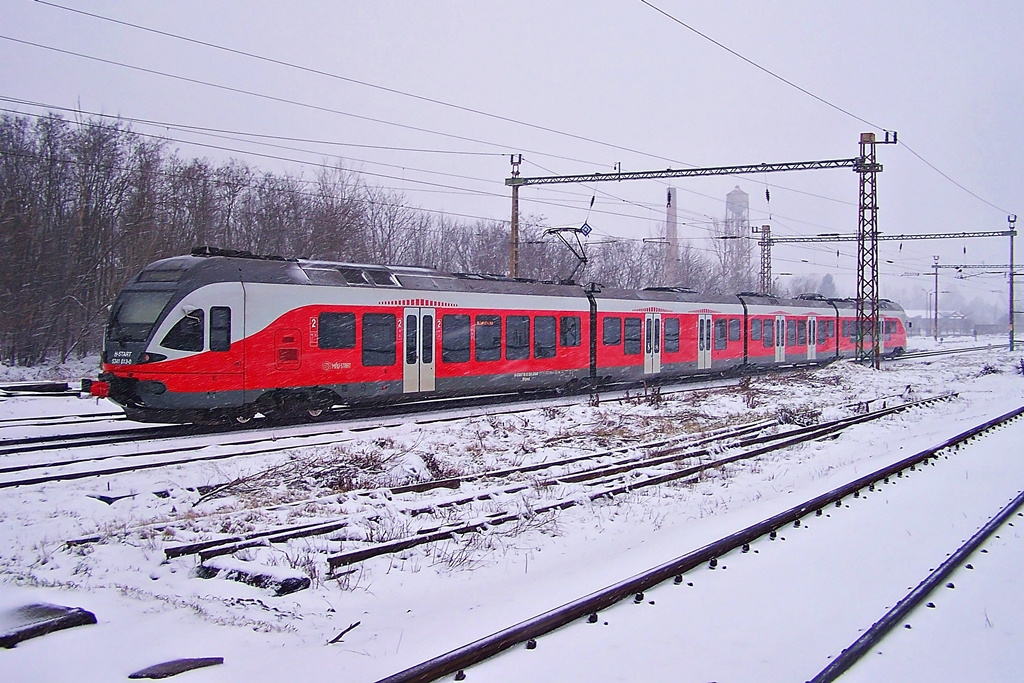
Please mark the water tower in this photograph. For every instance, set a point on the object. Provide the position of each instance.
(737, 213)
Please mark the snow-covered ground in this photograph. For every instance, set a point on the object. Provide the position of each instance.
(777, 613)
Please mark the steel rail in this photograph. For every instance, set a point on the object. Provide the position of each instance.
(38, 419)
(484, 648)
(30, 444)
(860, 647)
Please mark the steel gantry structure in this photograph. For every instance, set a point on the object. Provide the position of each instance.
(865, 165)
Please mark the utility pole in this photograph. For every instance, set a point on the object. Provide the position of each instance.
(513, 258)
(935, 320)
(1012, 220)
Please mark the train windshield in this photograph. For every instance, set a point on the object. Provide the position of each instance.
(134, 315)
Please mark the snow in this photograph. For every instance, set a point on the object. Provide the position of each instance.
(777, 613)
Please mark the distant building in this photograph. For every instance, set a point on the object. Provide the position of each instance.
(951, 323)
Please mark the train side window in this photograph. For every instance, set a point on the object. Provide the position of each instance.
(336, 331)
(488, 337)
(822, 332)
(454, 338)
(220, 328)
(633, 336)
(734, 329)
(187, 333)
(768, 339)
(411, 334)
(569, 330)
(379, 344)
(791, 333)
(427, 339)
(755, 329)
(830, 328)
(721, 334)
(846, 328)
(612, 332)
(801, 332)
(890, 326)
(544, 336)
(517, 340)
(671, 335)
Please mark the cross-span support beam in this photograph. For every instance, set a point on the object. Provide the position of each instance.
(836, 237)
(517, 181)
(683, 172)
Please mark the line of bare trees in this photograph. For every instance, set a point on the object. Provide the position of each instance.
(85, 204)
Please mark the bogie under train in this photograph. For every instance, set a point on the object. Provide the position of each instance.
(223, 335)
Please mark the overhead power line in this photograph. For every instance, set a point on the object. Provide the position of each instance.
(759, 67)
(273, 98)
(396, 91)
(355, 81)
(810, 94)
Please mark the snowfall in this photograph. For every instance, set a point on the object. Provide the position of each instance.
(780, 612)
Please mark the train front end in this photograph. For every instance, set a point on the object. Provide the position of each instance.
(172, 348)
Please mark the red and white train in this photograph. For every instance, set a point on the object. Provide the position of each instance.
(221, 335)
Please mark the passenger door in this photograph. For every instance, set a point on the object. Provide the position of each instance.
(812, 338)
(418, 347)
(652, 343)
(780, 339)
(704, 341)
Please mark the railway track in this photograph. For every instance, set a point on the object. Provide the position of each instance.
(62, 441)
(58, 420)
(948, 352)
(74, 457)
(651, 463)
(587, 607)
(864, 644)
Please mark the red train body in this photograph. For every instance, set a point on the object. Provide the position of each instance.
(222, 335)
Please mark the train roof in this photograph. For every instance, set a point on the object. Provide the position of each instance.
(206, 265)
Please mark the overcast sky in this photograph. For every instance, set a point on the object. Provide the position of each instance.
(614, 82)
